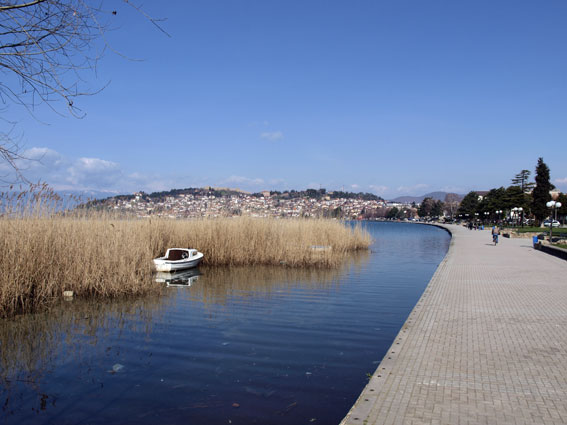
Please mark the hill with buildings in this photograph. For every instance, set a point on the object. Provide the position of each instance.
(225, 202)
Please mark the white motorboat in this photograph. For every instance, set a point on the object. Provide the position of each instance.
(178, 259)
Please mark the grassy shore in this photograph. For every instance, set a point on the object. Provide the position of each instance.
(533, 229)
(101, 256)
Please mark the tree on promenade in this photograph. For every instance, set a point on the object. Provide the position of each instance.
(48, 50)
(451, 203)
(514, 197)
(437, 209)
(494, 200)
(469, 205)
(522, 179)
(540, 194)
(426, 207)
(430, 207)
(562, 212)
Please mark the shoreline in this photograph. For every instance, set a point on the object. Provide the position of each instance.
(362, 405)
(482, 344)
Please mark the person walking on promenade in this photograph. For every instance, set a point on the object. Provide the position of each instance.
(495, 233)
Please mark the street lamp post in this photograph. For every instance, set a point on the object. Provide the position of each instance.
(554, 206)
(498, 212)
(517, 211)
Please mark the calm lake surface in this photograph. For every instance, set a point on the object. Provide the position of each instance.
(240, 346)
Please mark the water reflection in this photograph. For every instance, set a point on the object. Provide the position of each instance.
(32, 345)
(219, 284)
(29, 342)
(182, 278)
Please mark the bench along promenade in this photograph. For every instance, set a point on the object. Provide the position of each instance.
(485, 344)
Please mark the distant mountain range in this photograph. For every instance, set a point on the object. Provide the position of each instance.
(438, 196)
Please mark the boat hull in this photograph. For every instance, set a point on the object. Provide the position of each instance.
(169, 266)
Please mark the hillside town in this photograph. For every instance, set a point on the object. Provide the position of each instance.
(215, 202)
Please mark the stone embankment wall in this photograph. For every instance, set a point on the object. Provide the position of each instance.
(558, 252)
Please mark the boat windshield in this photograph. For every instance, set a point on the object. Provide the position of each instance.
(176, 254)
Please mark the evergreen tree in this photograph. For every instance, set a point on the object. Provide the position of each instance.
(514, 197)
(541, 191)
(469, 205)
(521, 179)
(437, 209)
(401, 214)
(493, 201)
(392, 213)
(426, 207)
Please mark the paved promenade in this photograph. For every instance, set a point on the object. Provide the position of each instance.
(486, 343)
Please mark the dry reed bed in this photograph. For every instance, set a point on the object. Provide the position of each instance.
(105, 257)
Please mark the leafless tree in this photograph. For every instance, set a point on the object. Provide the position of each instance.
(451, 203)
(48, 48)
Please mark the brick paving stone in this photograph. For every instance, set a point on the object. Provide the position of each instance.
(485, 344)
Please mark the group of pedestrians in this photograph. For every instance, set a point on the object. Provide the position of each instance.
(475, 226)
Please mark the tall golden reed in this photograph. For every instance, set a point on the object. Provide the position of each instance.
(98, 255)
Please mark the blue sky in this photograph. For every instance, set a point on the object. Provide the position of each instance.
(394, 98)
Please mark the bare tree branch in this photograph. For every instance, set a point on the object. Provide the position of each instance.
(47, 50)
(18, 6)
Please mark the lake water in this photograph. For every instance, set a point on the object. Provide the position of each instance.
(239, 346)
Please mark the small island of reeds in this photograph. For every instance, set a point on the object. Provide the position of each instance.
(100, 255)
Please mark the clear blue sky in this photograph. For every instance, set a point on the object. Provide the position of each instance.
(394, 98)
